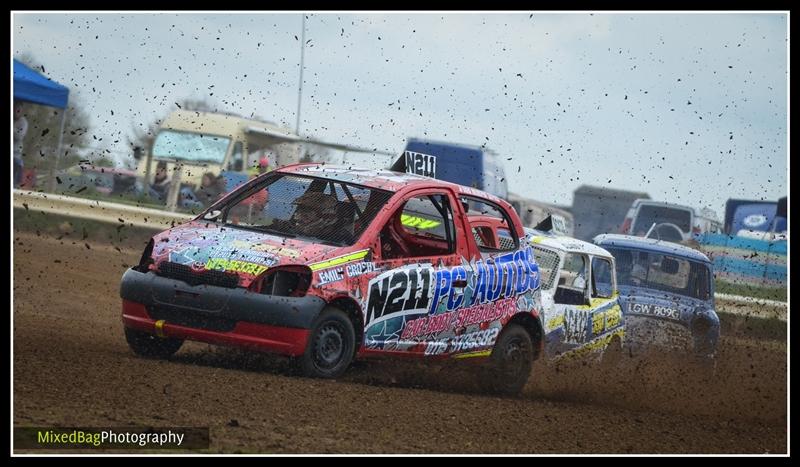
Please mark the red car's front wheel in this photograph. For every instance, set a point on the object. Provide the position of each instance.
(331, 345)
(149, 345)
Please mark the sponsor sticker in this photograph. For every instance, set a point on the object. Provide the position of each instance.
(330, 275)
(223, 264)
(340, 260)
(357, 269)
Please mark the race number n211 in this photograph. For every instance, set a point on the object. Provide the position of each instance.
(420, 164)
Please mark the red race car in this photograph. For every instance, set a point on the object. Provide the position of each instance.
(335, 263)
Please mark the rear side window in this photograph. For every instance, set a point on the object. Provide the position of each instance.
(572, 281)
(491, 227)
(573, 274)
(548, 265)
(506, 240)
(602, 285)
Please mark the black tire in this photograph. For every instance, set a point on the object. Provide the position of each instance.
(150, 345)
(331, 345)
(511, 361)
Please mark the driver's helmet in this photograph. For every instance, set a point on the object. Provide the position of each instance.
(315, 212)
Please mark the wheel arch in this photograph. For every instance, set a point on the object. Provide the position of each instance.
(353, 310)
(533, 325)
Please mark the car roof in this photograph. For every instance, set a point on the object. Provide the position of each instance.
(382, 179)
(650, 244)
(564, 243)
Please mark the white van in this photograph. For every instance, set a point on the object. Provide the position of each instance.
(668, 221)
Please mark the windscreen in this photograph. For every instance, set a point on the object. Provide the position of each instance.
(660, 272)
(309, 208)
(649, 215)
(192, 147)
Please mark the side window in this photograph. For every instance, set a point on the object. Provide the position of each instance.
(491, 227)
(506, 240)
(572, 283)
(236, 163)
(484, 236)
(548, 265)
(423, 227)
(602, 285)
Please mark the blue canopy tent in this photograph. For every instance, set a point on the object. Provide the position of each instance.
(30, 86)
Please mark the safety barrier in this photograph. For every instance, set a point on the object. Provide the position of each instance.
(747, 261)
(97, 210)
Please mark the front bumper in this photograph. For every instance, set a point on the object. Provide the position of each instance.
(655, 334)
(217, 315)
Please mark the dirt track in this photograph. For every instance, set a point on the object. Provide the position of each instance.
(72, 367)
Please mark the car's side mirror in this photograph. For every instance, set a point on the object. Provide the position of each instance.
(211, 215)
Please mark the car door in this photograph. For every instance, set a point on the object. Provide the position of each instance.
(572, 300)
(604, 302)
(506, 277)
(589, 307)
(411, 302)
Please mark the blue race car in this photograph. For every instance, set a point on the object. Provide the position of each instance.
(667, 296)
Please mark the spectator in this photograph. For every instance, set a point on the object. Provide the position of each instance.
(161, 182)
(20, 129)
(261, 167)
(256, 202)
(211, 188)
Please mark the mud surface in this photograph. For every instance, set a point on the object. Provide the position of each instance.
(72, 367)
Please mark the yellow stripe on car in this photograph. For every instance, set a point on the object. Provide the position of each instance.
(555, 322)
(339, 260)
(480, 353)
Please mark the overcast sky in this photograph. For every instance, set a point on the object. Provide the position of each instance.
(690, 108)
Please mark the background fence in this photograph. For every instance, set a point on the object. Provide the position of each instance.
(747, 261)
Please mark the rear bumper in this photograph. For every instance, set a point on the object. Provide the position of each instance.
(217, 315)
